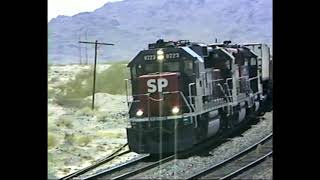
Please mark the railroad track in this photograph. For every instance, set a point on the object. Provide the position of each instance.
(98, 163)
(124, 168)
(238, 163)
(139, 166)
(145, 162)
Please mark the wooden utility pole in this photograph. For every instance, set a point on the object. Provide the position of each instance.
(86, 37)
(80, 61)
(95, 63)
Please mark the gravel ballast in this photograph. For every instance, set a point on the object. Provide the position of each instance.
(183, 168)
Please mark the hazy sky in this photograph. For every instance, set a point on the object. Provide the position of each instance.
(72, 7)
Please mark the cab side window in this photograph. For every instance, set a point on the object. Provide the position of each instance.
(253, 62)
(188, 67)
(133, 71)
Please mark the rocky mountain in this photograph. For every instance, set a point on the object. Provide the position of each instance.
(132, 24)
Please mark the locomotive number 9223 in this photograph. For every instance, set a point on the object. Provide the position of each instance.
(168, 56)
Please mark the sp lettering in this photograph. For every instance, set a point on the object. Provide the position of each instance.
(156, 85)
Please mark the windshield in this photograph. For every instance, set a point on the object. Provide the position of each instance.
(164, 67)
(139, 70)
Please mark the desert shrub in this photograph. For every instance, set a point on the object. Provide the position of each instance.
(52, 140)
(85, 111)
(83, 140)
(110, 81)
(102, 116)
(50, 113)
(65, 121)
(64, 101)
(54, 79)
(69, 139)
(72, 92)
(51, 93)
(50, 158)
(109, 134)
(51, 125)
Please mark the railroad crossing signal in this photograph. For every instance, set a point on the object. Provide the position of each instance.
(95, 63)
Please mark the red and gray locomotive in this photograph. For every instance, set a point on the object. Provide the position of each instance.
(185, 92)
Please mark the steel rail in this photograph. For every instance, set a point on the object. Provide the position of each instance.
(246, 167)
(169, 158)
(100, 162)
(145, 168)
(117, 167)
(221, 164)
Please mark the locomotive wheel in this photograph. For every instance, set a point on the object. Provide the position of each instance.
(262, 108)
(232, 120)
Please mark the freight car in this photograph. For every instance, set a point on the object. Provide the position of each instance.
(184, 92)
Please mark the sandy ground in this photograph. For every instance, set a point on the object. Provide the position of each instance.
(79, 137)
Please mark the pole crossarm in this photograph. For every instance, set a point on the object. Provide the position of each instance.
(86, 42)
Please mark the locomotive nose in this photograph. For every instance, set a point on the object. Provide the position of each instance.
(156, 83)
(161, 95)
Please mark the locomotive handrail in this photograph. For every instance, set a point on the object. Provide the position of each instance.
(228, 91)
(131, 102)
(243, 77)
(185, 100)
(190, 96)
(126, 86)
(228, 79)
(216, 80)
(183, 97)
(239, 79)
(230, 109)
(250, 79)
(223, 91)
(227, 97)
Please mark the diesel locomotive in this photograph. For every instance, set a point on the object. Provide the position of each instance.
(183, 92)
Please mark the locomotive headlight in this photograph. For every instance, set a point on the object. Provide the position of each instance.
(139, 112)
(175, 110)
(160, 52)
(160, 57)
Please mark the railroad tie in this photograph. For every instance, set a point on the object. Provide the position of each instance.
(258, 149)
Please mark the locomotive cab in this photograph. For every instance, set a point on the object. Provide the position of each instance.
(160, 78)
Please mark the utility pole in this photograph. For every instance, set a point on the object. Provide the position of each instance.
(95, 63)
(86, 36)
(80, 62)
